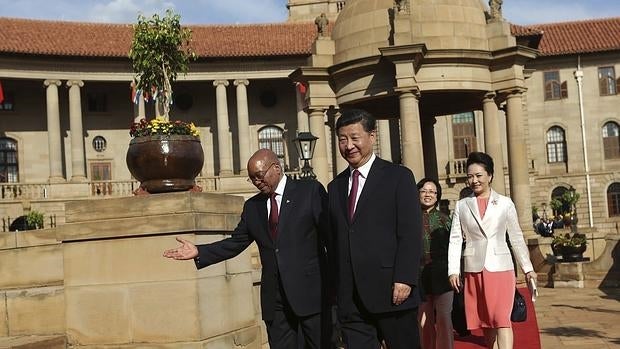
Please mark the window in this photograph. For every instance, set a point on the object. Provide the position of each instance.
(271, 137)
(613, 199)
(557, 194)
(8, 161)
(607, 84)
(463, 134)
(8, 102)
(97, 102)
(611, 140)
(554, 88)
(101, 174)
(556, 145)
(99, 143)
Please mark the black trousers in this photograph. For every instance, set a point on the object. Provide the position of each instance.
(289, 331)
(364, 330)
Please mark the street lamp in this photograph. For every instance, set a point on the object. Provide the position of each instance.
(304, 143)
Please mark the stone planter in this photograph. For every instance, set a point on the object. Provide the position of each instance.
(569, 253)
(165, 163)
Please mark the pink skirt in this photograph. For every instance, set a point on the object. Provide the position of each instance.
(488, 298)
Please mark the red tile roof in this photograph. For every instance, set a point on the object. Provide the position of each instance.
(595, 35)
(114, 40)
(36, 37)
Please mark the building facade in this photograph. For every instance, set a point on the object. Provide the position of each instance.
(444, 80)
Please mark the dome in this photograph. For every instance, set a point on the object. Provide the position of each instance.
(364, 26)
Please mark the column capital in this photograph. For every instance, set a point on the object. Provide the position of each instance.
(239, 82)
(413, 91)
(217, 83)
(513, 92)
(489, 97)
(49, 82)
(78, 83)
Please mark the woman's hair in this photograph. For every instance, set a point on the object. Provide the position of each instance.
(426, 180)
(482, 159)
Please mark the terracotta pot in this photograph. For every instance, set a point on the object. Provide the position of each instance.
(165, 163)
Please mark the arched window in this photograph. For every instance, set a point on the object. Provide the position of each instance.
(613, 199)
(611, 140)
(556, 145)
(8, 161)
(271, 137)
(557, 193)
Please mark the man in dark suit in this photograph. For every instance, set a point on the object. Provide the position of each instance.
(376, 229)
(291, 246)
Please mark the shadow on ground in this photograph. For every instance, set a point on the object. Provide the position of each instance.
(570, 331)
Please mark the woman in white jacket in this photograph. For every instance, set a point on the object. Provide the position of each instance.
(483, 219)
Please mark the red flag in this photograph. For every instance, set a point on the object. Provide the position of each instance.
(1, 94)
(301, 87)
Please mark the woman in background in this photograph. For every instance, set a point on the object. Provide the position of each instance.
(435, 312)
(483, 219)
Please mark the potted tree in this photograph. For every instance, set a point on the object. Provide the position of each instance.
(163, 155)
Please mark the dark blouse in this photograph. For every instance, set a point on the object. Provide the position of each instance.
(435, 257)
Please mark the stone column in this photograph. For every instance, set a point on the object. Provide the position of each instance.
(517, 159)
(302, 116)
(53, 131)
(78, 165)
(492, 140)
(411, 135)
(385, 147)
(428, 147)
(340, 162)
(243, 122)
(319, 160)
(223, 135)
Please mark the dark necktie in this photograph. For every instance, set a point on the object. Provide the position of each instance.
(353, 194)
(273, 216)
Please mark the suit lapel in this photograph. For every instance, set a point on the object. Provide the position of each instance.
(343, 192)
(261, 208)
(472, 205)
(285, 205)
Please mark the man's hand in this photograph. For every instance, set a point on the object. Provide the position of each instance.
(400, 293)
(187, 250)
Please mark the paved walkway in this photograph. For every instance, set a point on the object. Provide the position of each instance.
(573, 318)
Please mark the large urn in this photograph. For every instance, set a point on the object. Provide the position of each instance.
(165, 163)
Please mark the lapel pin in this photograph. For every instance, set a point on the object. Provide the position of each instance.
(288, 201)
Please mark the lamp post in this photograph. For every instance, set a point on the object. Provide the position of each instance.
(304, 143)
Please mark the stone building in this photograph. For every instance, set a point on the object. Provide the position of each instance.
(444, 78)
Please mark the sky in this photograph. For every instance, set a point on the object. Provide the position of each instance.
(268, 11)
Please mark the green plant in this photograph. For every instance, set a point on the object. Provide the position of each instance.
(160, 126)
(568, 240)
(159, 51)
(34, 220)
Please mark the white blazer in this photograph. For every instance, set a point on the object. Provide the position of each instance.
(485, 238)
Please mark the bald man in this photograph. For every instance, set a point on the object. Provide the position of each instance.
(287, 220)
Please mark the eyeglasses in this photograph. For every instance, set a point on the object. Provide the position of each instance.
(260, 176)
(428, 192)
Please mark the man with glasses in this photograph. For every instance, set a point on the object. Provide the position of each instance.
(287, 221)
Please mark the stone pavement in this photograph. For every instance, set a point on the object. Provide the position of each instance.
(575, 318)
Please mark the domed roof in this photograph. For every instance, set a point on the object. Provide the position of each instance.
(364, 26)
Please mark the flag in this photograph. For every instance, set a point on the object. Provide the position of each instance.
(1, 94)
(301, 87)
(133, 92)
(136, 96)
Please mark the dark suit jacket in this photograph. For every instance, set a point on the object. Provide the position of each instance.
(383, 243)
(297, 255)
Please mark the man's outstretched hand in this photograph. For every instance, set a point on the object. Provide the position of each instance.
(187, 250)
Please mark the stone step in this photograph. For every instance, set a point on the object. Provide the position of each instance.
(33, 342)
